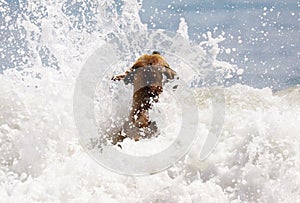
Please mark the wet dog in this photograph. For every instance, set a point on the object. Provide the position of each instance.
(147, 76)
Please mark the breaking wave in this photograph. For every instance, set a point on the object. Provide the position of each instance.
(41, 159)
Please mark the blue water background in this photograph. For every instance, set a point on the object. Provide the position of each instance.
(264, 33)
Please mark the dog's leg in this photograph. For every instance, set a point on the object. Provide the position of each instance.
(131, 131)
(117, 136)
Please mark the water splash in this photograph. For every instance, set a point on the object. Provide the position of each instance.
(44, 46)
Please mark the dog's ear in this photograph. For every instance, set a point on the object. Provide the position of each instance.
(129, 78)
(169, 73)
(155, 52)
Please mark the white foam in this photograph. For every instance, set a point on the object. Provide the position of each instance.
(41, 159)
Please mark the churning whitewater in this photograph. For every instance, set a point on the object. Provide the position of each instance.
(42, 158)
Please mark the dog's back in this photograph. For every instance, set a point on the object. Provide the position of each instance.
(149, 76)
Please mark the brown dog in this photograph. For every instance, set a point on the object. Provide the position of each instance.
(146, 75)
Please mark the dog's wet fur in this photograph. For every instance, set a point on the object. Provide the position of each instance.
(147, 76)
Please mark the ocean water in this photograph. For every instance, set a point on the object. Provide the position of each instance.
(264, 33)
(247, 49)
